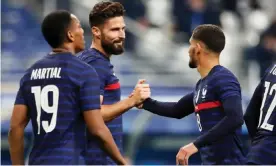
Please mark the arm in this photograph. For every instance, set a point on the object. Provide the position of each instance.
(109, 112)
(177, 110)
(97, 127)
(90, 105)
(141, 92)
(251, 116)
(228, 91)
(232, 120)
(18, 122)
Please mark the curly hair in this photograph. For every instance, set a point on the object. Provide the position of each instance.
(103, 11)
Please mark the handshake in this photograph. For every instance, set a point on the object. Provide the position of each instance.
(140, 93)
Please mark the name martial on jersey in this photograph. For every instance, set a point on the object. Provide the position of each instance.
(46, 73)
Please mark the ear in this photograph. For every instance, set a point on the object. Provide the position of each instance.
(96, 32)
(70, 36)
(198, 48)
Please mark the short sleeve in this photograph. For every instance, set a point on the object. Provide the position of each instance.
(90, 90)
(20, 95)
(101, 68)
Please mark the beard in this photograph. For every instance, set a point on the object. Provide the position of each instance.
(113, 48)
(192, 62)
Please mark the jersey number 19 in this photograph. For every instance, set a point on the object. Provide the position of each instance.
(41, 101)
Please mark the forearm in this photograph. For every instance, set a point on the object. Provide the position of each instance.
(252, 113)
(109, 112)
(178, 109)
(108, 145)
(16, 141)
(160, 108)
(232, 121)
(251, 123)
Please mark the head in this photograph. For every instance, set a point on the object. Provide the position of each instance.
(206, 39)
(61, 28)
(108, 26)
(197, 5)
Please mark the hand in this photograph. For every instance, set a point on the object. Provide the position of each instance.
(139, 106)
(141, 92)
(184, 153)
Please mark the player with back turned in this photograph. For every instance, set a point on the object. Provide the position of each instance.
(59, 93)
(216, 102)
(108, 33)
(260, 119)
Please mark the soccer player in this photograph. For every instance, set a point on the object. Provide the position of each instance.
(108, 33)
(216, 102)
(59, 93)
(260, 118)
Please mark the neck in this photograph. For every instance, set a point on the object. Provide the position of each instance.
(207, 64)
(64, 48)
(99, 47)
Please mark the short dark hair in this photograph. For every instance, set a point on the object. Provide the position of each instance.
(103, 11)
(211, 35)
(55, 26)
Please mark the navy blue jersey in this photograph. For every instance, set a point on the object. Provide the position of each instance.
(110, 90)
(56, 90)
(210, 93)
(261, 125)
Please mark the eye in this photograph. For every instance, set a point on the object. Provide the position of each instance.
(115, 29)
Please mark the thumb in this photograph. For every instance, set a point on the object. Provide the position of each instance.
(141, 81)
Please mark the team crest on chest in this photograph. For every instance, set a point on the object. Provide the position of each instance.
(204, 91)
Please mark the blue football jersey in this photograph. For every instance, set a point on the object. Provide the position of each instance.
(263, 107)
(56, 90)
(111, 92)
(209, 94)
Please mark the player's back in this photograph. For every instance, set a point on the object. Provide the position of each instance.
(267, 118)
(51, 88)
(264, 142)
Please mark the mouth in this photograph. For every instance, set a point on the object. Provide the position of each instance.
(120, 43)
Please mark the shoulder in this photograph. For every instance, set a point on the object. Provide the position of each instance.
(90, 56)
(84, 65)
(269, 71)
(223, 74)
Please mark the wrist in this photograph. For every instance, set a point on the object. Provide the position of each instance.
(131, 102)
(122, 161)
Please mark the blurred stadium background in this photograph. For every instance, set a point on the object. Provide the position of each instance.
(156, 49)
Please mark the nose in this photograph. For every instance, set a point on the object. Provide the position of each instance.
(122, 34)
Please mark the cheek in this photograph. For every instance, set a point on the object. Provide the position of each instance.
(112, 35)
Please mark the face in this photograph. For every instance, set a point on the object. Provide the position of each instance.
(197, 5)
(193, 54)
(76, 34)
(113, 36)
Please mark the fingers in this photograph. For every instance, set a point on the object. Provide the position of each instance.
(140, 92)
(186, 159)
(182, 157)
(141, 81)
(142, 86)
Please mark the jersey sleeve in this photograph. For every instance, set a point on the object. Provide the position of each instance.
(90, 90)
(226, 86)
(180, 109)
(101, 68)
(20, 97)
